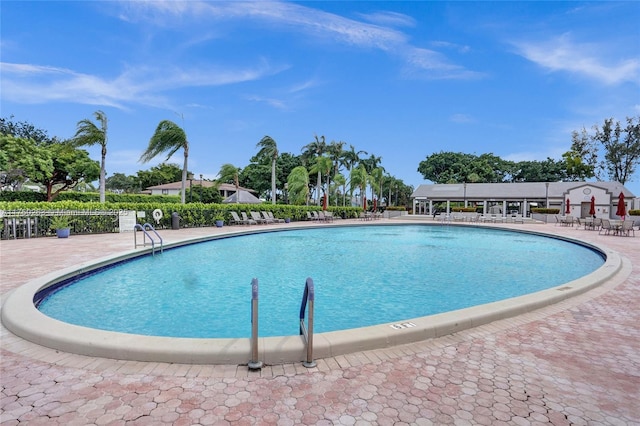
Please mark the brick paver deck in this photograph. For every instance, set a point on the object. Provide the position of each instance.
(576, 362)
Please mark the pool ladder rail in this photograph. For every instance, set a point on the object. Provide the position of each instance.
(308, 298)
(145, 228)
(307, 333)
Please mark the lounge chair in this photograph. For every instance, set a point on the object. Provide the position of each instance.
(247, 220)
(309, 217)
(235, 219)
(273, 218)
(256, 216)
(266, 218)
(315, 215)
(627, 228)
(606, 227)
(328, 216)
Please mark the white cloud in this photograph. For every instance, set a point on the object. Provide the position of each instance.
(26, 83)
(390, 18)
(462, 118)
(563, 54)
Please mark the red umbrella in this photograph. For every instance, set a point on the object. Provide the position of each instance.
(568, 210)
(324, 202)
(592, 209)
(621, 206)
(375, 204)
(364, 202)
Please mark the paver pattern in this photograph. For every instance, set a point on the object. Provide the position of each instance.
(573, 363)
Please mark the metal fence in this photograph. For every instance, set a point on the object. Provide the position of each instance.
(37, 223)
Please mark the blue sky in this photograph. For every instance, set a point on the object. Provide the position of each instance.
(401, 80)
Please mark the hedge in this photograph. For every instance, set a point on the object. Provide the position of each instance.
(191, 215)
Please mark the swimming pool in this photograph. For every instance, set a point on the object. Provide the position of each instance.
(364, 275)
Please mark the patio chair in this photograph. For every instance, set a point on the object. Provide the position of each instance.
(606, 227)
(309, 217)
(273, 218)
(597, 224)
(256, 216)
(328, 216)
(266, 218)
(627, 228)
(235, 219)
(247, 220)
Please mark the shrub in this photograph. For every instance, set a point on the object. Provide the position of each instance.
(634, 212)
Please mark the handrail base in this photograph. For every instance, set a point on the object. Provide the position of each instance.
(309, 364)
(255, 365)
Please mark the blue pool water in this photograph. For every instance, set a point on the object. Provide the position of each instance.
(363, 275)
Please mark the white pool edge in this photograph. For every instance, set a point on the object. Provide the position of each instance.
(21, 317)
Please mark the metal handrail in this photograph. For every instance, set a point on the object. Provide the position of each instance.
(143, 228)
(308, 296)
(254, 364)
(148, 226)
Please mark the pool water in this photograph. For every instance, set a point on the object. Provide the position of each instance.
(363, 275)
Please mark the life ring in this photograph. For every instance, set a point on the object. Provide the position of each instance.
(157, 215)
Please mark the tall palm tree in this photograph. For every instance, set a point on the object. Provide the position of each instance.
(269, 148)
(371, 162)
(89, 134)
(322, 165)
(313, 150)
(359, 179)
(350, 159)
(169, 137)
(376, 177)
(229, 172)
(298, 183)
(340, 181)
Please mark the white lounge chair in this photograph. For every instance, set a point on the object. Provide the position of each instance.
(247, 220)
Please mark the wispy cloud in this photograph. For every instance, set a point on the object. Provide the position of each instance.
(462, 118)
(564, 54)
(390, 19)
(379, 35)
(27, 83)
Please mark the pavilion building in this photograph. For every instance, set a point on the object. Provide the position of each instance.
(571, 198)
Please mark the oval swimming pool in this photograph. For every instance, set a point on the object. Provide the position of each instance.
(364, 275)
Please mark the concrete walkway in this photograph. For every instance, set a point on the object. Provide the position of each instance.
(576, 362)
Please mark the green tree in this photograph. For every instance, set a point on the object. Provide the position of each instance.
(22, 160)
(158, 175)
(375, 178)
(169, 137)
(340, 181)
(359, 178)
(269, 148)
(25, 130)
(298, 183)
(70, 166)
(621, 148)
(312, 151)
(230, 174)
(119, 183)
(89, 134)
(457, 167)
(322, 165)
(581, 160)
(549, 170)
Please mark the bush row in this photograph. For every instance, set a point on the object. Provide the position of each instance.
(191, 215)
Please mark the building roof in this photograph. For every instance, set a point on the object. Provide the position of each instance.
(205, 184)
(245, 198)
(521, 190)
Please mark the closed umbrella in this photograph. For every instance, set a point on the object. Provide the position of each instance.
(364, 203)
(568, 209)
(592, 209)
(324, 202)
(622, 212)
(375, 204)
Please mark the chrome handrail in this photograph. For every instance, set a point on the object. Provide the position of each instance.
(144, 228)
(254, 364)
(308, 296)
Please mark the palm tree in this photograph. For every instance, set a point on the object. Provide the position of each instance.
(313, 150)
(269, 148)
(340, 181)
(88, 134)
(350, 159)
(322, 165)
(169, 137)
(376, 177)
(359, 178)
(371, 162)
(298, 183)
(229, 172)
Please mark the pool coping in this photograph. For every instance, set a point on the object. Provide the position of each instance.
(20, 316)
